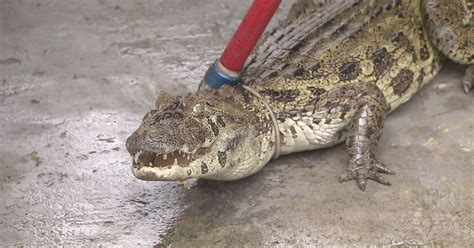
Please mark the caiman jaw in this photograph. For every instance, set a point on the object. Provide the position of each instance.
(176, 165)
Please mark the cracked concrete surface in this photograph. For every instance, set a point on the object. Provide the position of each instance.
(77, 76)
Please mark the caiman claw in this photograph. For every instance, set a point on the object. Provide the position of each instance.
(366, 170)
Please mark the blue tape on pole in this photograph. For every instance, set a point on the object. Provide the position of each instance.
(215, 78)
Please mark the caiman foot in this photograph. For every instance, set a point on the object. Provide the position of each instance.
(362, 169)
(468, 80)
(364, 133)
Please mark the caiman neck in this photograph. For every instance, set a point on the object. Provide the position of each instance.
(260, 142)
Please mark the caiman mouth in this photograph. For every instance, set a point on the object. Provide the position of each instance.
(176, 158)
(173, 166)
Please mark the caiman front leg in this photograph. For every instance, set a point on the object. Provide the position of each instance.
(364, 132)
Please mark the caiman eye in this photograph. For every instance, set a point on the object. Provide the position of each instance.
(208, 104)
(146, 115)
(151, 112)
(198, 109)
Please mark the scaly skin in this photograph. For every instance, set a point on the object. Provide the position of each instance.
(330, 73)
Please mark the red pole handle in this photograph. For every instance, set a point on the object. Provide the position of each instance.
(248, 33)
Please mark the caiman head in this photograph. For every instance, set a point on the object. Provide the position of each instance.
(203, 135)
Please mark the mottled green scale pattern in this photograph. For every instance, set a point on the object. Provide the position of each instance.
(330, 73)
(450, 25)
(346, 43)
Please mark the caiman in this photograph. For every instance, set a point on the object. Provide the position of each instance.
(329, 73)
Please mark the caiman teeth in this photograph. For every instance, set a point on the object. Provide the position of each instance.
(135, 159)
(175, 158)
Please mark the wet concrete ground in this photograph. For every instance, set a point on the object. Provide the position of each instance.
(77, 76)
